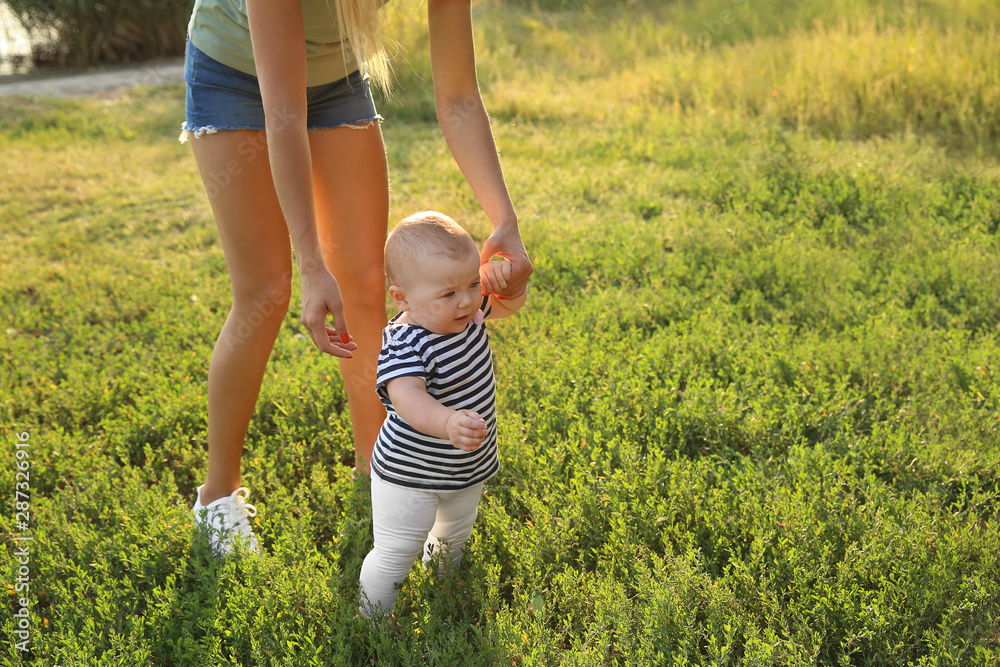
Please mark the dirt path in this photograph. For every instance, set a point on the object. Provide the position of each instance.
(94, 81)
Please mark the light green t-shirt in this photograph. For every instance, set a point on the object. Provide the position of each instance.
(219, 28)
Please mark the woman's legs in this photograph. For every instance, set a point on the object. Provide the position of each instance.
(237, 176)
(351, 190)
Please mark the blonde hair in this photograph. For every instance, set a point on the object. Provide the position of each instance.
(422, 235)
(359, 23)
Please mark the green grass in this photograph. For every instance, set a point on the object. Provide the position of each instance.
(750, 415)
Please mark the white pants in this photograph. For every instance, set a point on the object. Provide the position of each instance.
(406, 523)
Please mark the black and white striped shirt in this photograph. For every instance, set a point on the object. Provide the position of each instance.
(458, 372)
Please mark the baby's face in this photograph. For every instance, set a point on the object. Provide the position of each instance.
(443, 294)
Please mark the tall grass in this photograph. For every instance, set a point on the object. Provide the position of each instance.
(846, 69)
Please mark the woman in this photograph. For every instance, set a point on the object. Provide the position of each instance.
(316, 181)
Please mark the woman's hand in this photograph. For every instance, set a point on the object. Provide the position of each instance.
(321, 297)
(505, 241)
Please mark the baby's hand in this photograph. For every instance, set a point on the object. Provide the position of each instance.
(466, 430)
(494, 275)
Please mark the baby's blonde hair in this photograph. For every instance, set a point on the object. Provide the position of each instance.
(422, 235)
(359, 23)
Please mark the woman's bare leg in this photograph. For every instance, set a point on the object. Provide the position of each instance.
(351, 189)
(237, 176)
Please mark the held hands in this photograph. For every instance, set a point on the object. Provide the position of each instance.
(494, 276)
(505, 242)
(321, 297)
(466, 430)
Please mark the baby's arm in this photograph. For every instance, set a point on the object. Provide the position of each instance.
(493, 276)
(464, 428)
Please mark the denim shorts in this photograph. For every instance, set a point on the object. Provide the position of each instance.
(219, 97)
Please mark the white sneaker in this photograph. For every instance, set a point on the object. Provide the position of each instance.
(227, 521)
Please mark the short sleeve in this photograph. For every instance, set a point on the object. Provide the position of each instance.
(399, 358)
(486, 306)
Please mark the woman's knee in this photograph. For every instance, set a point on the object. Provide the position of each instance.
(365, 288)
(262, 302)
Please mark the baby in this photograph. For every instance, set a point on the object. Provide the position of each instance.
(438, 444)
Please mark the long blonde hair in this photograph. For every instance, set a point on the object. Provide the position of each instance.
(359, 23)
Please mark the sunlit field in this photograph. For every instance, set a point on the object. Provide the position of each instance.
(750, 414)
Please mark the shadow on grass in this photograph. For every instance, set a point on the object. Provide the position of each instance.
(188, 636)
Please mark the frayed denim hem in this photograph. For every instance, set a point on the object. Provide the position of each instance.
(198, 132)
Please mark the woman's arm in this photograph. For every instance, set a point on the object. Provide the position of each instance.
(466, 129)
(279, 50)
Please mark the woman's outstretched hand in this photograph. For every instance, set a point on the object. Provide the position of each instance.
(505, 241)
(321, 297)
